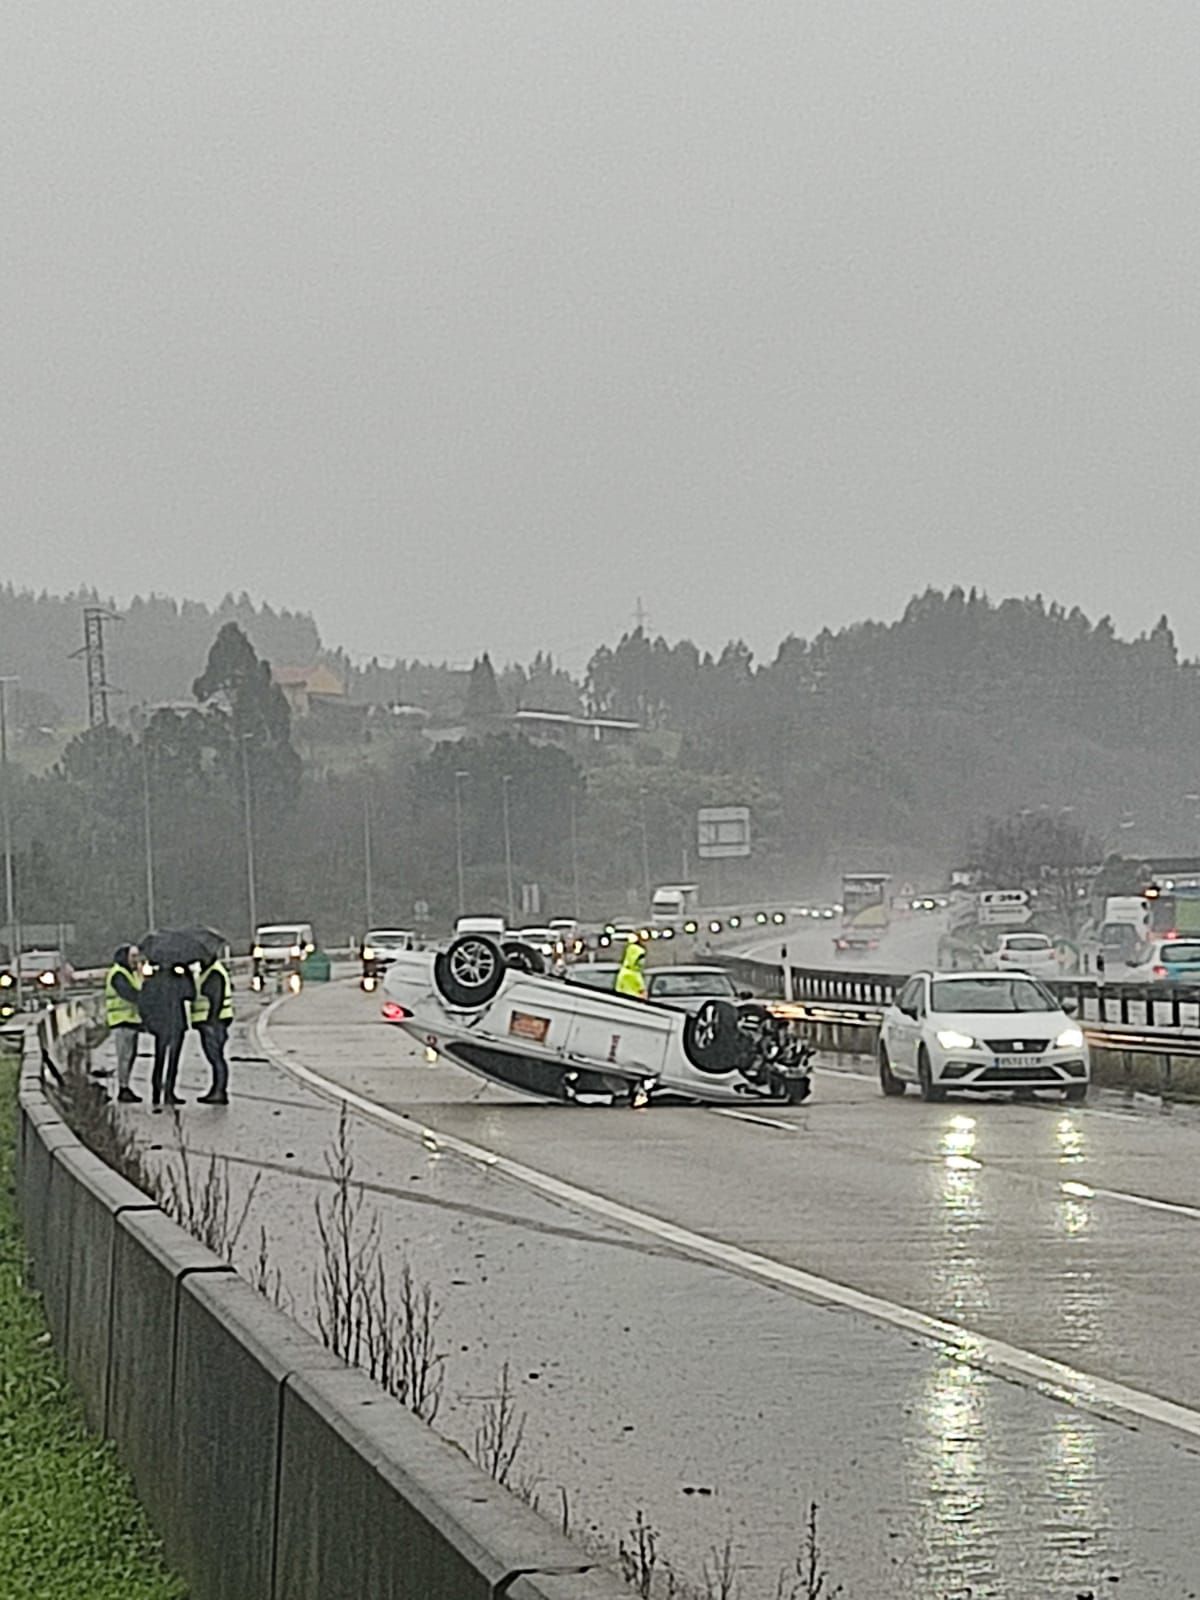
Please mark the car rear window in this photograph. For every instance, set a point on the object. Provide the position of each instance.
(1027, 941)
(1178, 950)
(690, 985)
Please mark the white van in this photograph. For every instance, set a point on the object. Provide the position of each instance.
(493, 926)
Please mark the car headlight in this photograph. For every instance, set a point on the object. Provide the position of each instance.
(295, 950)
(1069, 1039)
(46, 978)
(951, 1039)
(368, 953)
(256, 953)
(6, 980)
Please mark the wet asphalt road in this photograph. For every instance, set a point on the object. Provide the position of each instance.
(721, 1403)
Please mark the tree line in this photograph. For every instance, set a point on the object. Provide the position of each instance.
(879, 746)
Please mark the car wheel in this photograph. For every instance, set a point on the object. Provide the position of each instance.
(469, 973)
(522, 957)
(929, 1090)
(1075, 1092)
(888, 1081)
(712, 1040)
(798, 1090)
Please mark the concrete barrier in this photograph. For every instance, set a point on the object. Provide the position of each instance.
(270, 1470)
(151, 1259)
(233, 1354)
(86, 1240)
(441, 1530)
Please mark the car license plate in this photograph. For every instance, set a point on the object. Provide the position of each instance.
(1015, 1061)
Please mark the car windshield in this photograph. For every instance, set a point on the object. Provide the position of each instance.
(1028, 941)
(1181, 950)
(688, 985)
(277, 938)
(595, 977)
(991, 994)
(387, 936)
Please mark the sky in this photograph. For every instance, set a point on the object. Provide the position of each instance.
(473, 325)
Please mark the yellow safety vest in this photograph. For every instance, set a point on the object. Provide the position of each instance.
(198, 1008)
(118, 1013)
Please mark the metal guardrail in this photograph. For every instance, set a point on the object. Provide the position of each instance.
(858, 1000)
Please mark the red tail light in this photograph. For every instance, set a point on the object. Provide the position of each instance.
(394, 1012)
(1160, 972)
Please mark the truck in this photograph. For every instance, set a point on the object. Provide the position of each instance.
(865, 911)
(673, 904)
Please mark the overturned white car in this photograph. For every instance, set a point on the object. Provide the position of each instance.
(490, 1008)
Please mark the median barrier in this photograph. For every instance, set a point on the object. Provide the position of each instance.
(86, 1239)
(151, 1258)
(270, 1470)
(440, 1530)
(233, 1354)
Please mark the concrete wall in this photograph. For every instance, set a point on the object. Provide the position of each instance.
(270, 1469)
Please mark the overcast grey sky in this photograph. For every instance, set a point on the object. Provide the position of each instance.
(465, 325)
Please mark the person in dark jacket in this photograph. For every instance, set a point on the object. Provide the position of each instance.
(122, 992)
(212, 1013)
(165, 997)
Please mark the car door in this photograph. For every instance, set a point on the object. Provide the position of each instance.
(902, 1030)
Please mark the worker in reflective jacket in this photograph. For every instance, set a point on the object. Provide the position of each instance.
(212, 1012)
(122, 988)
(631, 979)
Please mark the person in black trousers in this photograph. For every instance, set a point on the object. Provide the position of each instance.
(164, 1000)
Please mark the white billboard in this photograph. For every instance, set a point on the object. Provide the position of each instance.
(723, 832)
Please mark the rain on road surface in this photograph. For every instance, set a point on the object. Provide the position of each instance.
(721, 1402)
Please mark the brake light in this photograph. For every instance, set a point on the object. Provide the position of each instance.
(394, 1012)
(1160, 972)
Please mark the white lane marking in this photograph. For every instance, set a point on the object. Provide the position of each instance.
(751, 1116)
(1053, 1378)
(1089, 1191)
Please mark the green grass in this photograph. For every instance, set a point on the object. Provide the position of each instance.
(70, 1527)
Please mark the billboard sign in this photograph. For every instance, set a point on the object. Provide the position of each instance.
(723, 832)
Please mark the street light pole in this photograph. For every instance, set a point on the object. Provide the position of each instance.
(645, 846)
(10, 889)
(458, 839)
(248, 818)
(505, 784)
(575, 852)
(368, 874)
(148, 837)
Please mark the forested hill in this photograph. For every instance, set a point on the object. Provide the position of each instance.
(155, 651)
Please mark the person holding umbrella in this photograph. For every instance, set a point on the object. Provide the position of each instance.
(167, 993)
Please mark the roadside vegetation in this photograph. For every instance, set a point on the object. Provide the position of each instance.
(69, 1523)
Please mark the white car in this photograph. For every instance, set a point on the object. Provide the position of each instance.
(1025, 952)
(494, 1015)
(380, 948)
(980, 1030)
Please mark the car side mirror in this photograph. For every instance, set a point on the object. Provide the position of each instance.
(1071, 1006)
(745, 994)
(909, 1011)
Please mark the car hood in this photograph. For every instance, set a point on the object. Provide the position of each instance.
(1003, 1024)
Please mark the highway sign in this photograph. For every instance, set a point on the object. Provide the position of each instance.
(722, 832)
(1004, 916)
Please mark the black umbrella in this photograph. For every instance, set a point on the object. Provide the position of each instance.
(180, 947)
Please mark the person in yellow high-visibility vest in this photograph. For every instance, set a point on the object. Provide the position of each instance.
(122, 988)
(631, 979)
(212, 1012)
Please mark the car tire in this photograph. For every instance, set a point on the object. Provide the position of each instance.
(468, 974)
(798, 1091)
(930, 1091)
(1075, 1092)
(891, 1085)
(522, 957)
(712, 1040)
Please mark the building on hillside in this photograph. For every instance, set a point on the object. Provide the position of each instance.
(306, 688)
(560, 727)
